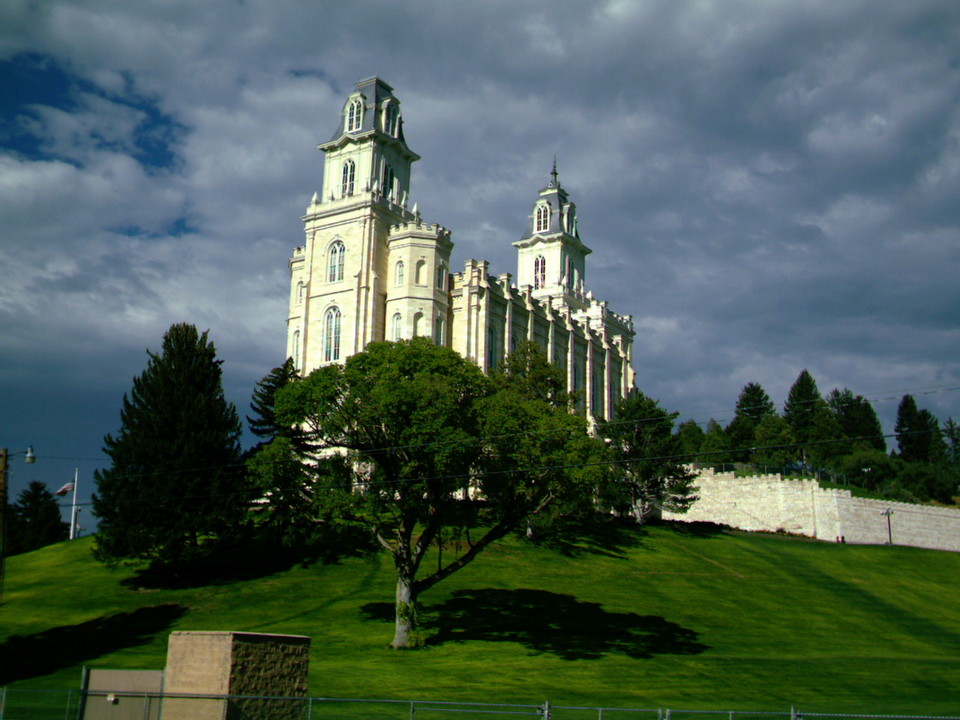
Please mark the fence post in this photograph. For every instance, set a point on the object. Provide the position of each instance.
(546, 710)
(413, 710)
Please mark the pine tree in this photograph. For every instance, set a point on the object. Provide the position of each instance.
(801, 410)
(175, 484)
(951, 435)
(264, 422)
(35, 520)
(753, 406)
(858, 420)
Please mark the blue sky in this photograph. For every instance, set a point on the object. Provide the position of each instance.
(766, 186)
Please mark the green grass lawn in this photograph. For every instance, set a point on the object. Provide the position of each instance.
(666, 618)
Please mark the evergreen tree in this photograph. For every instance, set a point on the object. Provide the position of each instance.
(264, 422)
(651, 471)
(951, 436)
(801, 409)
(857, 418)
(690, 435)
(716, 445)
(775, 442)
(35, 520)
(918, 433)
(175, 483)
(275, 465)
(753, 405)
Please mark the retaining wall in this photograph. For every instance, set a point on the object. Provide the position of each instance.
(770, 503)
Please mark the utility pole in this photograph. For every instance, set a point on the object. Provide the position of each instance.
(888, 512)
(5, 455)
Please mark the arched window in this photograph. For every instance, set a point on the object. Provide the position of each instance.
(331, 334)
(349, 175)
(335, 261)
(539, 272)
(396, 327)
(389, 183)
(296, 349)
(441, 277)
(392, 120)
(418, 324)
(438, 330)
(543, 218)
(398, 273)
(420, 279)
(354, 115)
(300, 292)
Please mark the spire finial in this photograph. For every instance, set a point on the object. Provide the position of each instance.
(553, 173)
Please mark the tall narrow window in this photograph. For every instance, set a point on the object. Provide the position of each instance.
(389, 183)
(398, 273)
(441, 277)
(349, 175)
(393, 120)
(397, 328)
(420, 280)
(296, 349)
(335, 261)
(539, 272)
(438, 330)
(331, 334)
(543, 218)
(354, 116)
(493, 348)
(300, 292)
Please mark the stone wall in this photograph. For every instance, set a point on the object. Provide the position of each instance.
(770, 503)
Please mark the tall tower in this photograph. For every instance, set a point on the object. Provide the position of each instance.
(341, 278)
(551, 259)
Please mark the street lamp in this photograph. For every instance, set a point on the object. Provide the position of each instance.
(5, 455)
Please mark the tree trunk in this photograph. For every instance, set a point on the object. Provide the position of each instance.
(407, 633)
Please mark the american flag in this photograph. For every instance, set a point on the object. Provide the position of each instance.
(65, 489)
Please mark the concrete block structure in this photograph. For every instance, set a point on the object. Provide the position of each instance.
(207, 666)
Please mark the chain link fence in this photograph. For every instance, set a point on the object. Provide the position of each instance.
(17, 704)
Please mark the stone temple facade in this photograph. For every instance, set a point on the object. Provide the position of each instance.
(371, 269)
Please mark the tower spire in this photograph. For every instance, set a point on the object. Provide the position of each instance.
(553, 173)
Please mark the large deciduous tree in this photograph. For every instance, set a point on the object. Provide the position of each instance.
(438, 450)
(174, 485)
(651, 473)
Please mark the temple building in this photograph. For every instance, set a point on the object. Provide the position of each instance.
(371, 269)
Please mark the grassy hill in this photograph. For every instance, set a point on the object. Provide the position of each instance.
(660, 617)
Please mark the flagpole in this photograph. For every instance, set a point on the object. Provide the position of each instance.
(73, 512)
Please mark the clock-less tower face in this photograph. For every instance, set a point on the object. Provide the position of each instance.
(551, 259)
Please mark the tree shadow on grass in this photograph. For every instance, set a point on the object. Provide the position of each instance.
(26, 656)
(597, 535)
(695, 529)
(549, 623)
(254, 557)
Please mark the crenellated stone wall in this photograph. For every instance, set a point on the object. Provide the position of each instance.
(771, 504)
